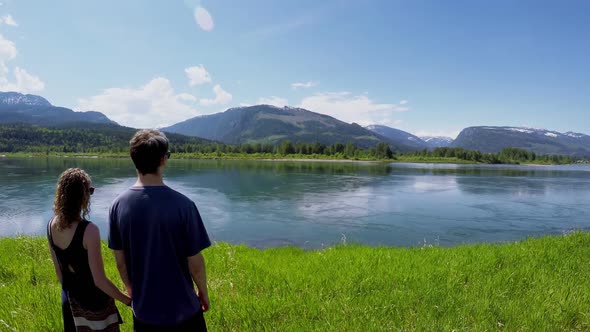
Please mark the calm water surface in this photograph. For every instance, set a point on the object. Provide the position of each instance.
(315, 204)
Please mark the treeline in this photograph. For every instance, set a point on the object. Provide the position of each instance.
(338, 150)
(112, 139)
(75, 138)
(506, 156)
(115, 139)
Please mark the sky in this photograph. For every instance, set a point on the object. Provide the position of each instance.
(429, 67)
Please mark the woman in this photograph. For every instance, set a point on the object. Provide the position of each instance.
(74, 243)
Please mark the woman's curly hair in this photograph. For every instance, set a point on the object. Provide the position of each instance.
(72, 197)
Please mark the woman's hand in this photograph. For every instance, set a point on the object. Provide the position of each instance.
(204, 299)
(127, 301)
(129, 292)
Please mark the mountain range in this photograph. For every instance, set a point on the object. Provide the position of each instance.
(267, 124)
(29, 120)
(437, 141)
(20, 108)
(408, 141)
(540, 141)
(270, 125)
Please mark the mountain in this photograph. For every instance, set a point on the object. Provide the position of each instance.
(30, 109)
(31, 123)
(540, 141)
(15, 98)
(77, 137)
(582, 138)
(437, 141)
(270, 125)
(261, 124)
(404, 140)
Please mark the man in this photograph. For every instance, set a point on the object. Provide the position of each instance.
(157, 235)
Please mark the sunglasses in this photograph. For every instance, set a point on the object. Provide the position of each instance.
(168, 155)
(91, 190)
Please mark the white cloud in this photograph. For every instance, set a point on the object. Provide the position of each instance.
(154, 104)
(305, 85)
(7, 53)
(8, 20)
(403, 102)
(197, 75)
(221, 97)
(351, 108)
(187, 97)
(25, 82)
(204, 19)
(273, 100)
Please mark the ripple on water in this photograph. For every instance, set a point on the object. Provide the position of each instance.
(303, 207)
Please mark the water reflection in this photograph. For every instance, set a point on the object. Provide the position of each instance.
(310, 204)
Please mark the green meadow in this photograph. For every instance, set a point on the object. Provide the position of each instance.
(540, 284)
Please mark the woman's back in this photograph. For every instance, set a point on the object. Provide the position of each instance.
(87, 294)
(62, 238)
(68, 245)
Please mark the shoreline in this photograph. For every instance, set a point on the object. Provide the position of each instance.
(450, 161)
(320, 160)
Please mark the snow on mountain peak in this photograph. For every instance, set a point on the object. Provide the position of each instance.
(15, 98)
(575, 135)
(522, 130)
(430, 138)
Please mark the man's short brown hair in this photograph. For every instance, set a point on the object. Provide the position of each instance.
(147, 148)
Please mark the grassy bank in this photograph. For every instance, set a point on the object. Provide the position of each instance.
(268, 156)
(535, 285)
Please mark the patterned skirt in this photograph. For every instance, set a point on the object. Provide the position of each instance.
(106, 319)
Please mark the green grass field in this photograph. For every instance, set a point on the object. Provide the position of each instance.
(535, 285)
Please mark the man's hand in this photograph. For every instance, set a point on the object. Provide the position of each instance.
(204, 298)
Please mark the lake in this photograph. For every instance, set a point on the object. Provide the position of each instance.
(317, 204)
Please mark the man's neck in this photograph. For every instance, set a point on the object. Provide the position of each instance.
(149, 180)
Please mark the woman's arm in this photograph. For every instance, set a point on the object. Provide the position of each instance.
(55, 263)
(92, 244)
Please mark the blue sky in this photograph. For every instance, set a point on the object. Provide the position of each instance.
(429, 67)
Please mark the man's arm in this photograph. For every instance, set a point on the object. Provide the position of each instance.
(196, 265)
(122, 267)
(116, 244)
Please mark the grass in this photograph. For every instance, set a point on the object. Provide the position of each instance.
(535, 285)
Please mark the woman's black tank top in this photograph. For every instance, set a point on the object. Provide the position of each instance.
(77, 278)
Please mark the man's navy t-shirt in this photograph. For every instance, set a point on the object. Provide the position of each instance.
(158, 229)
